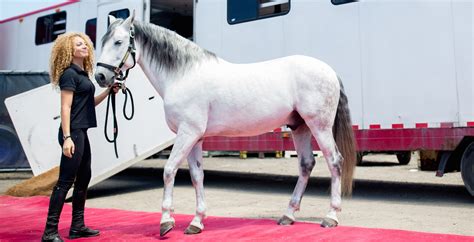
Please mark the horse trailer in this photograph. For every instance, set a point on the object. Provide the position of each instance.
(406, 65)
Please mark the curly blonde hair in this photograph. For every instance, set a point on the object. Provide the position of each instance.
(62, 55)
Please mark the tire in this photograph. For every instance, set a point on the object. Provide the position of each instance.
(360, 155)
(404, 157)
(10, 147)
(467, 168)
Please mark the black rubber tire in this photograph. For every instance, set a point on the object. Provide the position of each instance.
(404, 157)
(467, 168)
(359, 157)
(10, 147)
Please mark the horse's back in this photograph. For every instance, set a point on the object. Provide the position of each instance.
(295, 69)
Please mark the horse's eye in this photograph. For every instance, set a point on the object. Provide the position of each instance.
(118, 42)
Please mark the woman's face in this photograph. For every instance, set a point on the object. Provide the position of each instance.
(80, 48)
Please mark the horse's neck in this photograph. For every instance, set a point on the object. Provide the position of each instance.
(180, 56)
(160, 81)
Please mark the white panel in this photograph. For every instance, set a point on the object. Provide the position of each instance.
(331, 34)
(208, 20)
(37, 131)
(74, 20)
(408, 62)
(8, 44)
(26, 58)
(139, 138)
(252, 41)
(463, 28)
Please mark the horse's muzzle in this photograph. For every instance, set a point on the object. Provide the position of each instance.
(102, 79)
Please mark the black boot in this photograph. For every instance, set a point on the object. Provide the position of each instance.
(56, 203)
(78, 228)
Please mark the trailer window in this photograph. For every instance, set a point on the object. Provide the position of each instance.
(239, 11)
(122, 13)
(91, 29)
(173, 15)
(49, 27)
(339, 2)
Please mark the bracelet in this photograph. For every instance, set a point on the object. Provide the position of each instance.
(66, 137)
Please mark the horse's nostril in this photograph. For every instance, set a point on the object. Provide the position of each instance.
(100, 78)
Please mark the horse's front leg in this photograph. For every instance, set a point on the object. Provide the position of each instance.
(197, 177)
(184, 142)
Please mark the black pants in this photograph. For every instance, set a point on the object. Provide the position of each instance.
(75, 170)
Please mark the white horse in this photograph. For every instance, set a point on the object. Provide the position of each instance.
(205, 95)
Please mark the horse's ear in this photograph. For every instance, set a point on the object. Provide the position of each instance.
(112, 19)
(132, 17)
(129, 20)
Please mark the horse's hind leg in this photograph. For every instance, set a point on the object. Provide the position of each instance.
(184, 142)
(302, 140)
(197, 177)
(327, 144)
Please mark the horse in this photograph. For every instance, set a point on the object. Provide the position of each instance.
(204, 95)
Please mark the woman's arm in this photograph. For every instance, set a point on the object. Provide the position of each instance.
(66, 103)
(99, 98)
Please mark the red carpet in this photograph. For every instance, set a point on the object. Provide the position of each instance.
(23, 219)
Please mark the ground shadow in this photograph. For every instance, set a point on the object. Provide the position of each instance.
(141, 179)
(379, 164)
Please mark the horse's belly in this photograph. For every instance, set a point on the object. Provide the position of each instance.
(244, 123)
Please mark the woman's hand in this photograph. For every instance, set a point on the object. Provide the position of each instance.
(99, 98)
(68, 147)
(116, 87)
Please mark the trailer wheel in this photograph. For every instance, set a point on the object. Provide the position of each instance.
(467, 168)
(10, 148)
(404, 157)
(359, 157)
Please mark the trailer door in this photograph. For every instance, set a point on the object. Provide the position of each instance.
(119, 9)
(208, 21)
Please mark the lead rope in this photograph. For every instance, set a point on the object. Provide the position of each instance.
(111, 99)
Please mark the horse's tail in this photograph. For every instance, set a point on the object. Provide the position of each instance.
(344, 136)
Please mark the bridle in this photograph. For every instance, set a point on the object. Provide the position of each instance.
(130, 51)
(120, 77)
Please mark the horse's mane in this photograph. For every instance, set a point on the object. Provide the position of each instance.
(164, 48)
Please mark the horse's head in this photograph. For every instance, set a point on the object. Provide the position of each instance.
(118, 51)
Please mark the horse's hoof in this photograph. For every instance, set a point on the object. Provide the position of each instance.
(166, 227)
(191, 229)
(329, 223)
(285, 220)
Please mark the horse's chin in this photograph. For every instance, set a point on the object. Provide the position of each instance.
(105, 85)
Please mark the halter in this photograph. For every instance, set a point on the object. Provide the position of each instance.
(130, 51)
(121, 80)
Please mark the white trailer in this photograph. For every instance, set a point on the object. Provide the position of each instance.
(406, 65)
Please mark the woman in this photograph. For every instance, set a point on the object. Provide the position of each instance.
(71, 65)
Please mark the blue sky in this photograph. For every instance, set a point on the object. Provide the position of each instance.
(11, 8)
